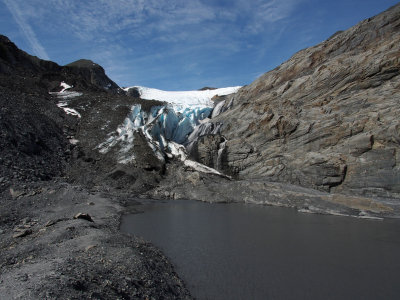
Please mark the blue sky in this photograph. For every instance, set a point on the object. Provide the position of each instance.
(178, 44)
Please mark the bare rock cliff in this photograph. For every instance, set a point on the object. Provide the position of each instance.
(328, 118)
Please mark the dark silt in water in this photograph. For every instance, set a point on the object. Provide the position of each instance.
(238, 251)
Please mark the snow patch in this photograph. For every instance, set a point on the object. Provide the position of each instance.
(73, 141)
(179, 151)
(65, 86)
(68, 95)
(218, 109)
(64, 94)
(201, 168)
(70, 111)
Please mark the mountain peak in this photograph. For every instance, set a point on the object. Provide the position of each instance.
(4, 39)
(84, 63)
(206, 88)
(92, 74)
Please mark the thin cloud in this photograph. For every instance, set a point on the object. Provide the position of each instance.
(134, 40)
(137, 18)
(269, 13)
(152, 19)
(275, 10)
(30, 35)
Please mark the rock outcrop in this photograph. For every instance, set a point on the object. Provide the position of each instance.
(326, 119)
(87, 74)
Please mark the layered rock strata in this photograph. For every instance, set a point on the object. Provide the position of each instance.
(326, 119)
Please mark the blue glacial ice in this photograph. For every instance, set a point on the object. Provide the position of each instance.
(167, 127)
(162, 125)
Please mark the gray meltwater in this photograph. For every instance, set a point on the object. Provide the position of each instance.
(238, 251)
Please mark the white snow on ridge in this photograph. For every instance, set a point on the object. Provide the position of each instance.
(184, 98)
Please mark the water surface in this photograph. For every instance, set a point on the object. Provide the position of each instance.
(239, 251)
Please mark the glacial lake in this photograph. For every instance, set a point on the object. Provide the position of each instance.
(241, 251)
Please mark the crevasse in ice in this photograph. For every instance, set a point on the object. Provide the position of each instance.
(163, 124)
(167, 127)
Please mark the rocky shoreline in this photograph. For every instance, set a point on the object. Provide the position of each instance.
(60, 241)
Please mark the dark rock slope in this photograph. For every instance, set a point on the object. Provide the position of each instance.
(36, 134)
(59, 211)
(328, 118)
(33, 129)
(102, 113)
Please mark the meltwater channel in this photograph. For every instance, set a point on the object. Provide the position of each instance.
(239, 251)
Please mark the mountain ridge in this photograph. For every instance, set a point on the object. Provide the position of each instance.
(82, 74)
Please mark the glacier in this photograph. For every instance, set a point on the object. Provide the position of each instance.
(184, 98)
(166, 127)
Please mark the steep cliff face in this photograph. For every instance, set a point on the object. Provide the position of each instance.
(328, 118)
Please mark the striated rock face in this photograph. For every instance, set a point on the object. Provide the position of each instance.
(328, 118)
